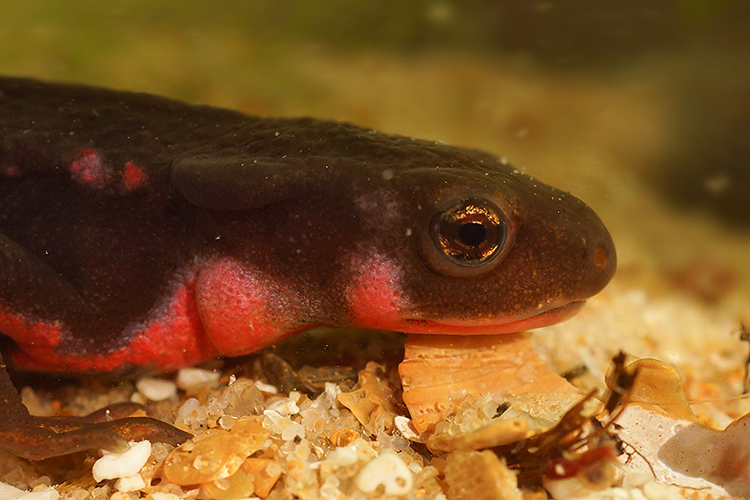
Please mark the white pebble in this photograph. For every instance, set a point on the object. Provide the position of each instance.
(119, 465)
(158, 495)
(189, 410)
(662, 491)
(332, 390)
(191, 379)
(406, 428)
(284, 406)
(286, 427)
(8, 492)
(271, 389)
(292, 431)
(156, 389)
(389, 470)
(130, 483)
(343, 456)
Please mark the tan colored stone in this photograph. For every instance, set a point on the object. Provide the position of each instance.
(442, 373)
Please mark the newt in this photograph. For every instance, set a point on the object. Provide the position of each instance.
(138, 231)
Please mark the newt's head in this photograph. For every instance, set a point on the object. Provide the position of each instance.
(487, 250)
(387, 232)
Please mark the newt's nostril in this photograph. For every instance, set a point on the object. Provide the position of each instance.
(601, 256)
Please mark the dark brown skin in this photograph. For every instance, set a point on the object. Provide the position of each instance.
(137, 231)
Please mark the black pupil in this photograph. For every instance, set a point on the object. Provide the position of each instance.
(472, 234)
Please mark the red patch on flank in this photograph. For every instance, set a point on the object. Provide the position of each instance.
(89, 169)
(32, 334)
(133, 177)
(171, 337)
(242, 309)
(213, 309)
(375, 300)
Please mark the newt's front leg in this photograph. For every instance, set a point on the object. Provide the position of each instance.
(37, 438)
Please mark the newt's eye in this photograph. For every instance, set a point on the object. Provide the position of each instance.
(467, 239)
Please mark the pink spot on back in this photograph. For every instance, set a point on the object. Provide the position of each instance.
(9, 170)
(88, 169)
(133, 177)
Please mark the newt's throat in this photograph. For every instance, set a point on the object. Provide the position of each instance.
(492, 326)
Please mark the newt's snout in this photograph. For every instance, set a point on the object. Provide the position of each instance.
(605, 260)
(599, 256)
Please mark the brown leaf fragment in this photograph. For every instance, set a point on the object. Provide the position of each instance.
(657, 385)
(275, 370)
(562, 451)
(315, 378)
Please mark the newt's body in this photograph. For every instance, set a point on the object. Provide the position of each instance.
(141, 231)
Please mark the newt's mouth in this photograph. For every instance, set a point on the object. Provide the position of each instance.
(493, 326)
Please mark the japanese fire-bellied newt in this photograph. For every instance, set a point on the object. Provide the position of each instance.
(137, 230)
